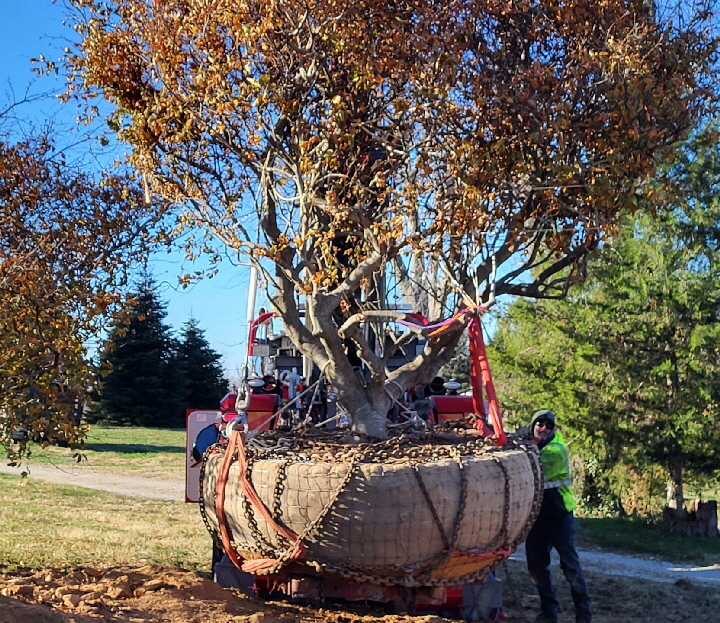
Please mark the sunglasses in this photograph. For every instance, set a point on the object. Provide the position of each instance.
(545, 423)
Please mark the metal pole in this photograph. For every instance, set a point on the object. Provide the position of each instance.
(250, 316)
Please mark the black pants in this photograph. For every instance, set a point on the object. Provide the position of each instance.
(560, 534)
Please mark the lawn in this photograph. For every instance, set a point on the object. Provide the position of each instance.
(48, 525)
(151, 452)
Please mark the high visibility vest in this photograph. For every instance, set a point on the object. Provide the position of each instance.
(556, 469)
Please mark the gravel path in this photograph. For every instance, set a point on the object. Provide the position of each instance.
(593, 560)
(608, 563)
(82, 476)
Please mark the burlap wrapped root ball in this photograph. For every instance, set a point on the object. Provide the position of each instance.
(433, 522)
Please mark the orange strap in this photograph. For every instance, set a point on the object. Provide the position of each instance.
(220, 503)
(479, 375)
(237, 442)
(503, 552)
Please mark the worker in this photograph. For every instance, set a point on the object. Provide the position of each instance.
(555, 525)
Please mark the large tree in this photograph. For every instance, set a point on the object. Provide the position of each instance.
(66, 240)
(203, 379)
(141, 384)
(632, 359)
(346, 147)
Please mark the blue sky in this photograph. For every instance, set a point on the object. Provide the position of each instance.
(29, 28)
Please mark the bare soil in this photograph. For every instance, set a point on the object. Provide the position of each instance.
(170, 595)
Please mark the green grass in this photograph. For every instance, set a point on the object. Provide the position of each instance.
(632, 536)
(708, 492)
(156, 452)
(46, 525)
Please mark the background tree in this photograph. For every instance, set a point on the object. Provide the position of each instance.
(67, 238)
(632, 359)
(140, 383)
(203, 380)
(458, 368)
(333, 143)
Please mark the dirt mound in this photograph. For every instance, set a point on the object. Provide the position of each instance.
(143, 594)
(155, 594)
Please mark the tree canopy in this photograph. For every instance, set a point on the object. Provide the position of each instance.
(203, 379)
(347, 147)
(140, 384)
(147, 376)
(631, 360)
(66, 240)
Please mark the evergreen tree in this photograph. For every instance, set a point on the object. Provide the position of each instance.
(631, 360)
(140, 384)
(204, 383)
(458, 368)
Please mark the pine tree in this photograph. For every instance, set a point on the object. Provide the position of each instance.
(631, 360)
(140, 384)
(204, 383)
(458, 368)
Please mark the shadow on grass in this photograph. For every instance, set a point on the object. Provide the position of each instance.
(132, 448)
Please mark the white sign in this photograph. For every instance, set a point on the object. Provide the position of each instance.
(195, 421)
(261, 350)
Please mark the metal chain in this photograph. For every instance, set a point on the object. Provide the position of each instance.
(442, 558)
(322, 565)
(431, 505)
(266, 547)
(311, 527)
(446, 441)
(278, 491)
(314, 444)
(503, 534)
(533, 457)
(214, 449)
(463, 499)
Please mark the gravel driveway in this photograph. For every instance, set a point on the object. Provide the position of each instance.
(88, 477)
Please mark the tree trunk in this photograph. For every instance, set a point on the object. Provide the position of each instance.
(675, 495)
(705, 518)
(369, 421)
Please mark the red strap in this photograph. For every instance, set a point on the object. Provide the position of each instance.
(479, 361)
(419, 317)
(254, 326)
(220, 502)
(475, 373)
(237, 441)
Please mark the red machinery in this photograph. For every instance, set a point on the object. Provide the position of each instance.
(262, 413)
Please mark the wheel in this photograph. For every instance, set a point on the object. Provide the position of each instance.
(217, 553)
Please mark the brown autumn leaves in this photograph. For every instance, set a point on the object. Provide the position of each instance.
(67, 239)
(468, 148)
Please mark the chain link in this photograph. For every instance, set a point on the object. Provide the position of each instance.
(448, 440)
(309, 444)
(310, 529)
(431, 505)
(539, 480)
(214, 449)
(276, 509)
(266, 548)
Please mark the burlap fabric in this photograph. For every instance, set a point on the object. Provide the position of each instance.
(376, 519)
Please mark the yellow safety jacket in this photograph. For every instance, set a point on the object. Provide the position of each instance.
(558, 498)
